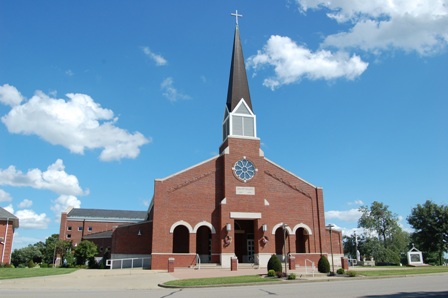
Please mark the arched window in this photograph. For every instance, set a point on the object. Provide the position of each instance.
(301, 240)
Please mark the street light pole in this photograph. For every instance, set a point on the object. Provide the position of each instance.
(331, 248)
(284, 248)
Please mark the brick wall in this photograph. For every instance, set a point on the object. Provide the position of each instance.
(7, 233)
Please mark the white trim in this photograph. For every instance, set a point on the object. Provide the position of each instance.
(245, 215)
(280, 225)
(187, 169)
(181, 223)
(291, 173)
(206, 224)
(302, 225)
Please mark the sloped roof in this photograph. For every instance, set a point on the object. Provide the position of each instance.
(5, 215)
(99, 235)
(107, 214)
(238, 85)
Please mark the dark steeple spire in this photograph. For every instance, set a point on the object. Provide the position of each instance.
(238, 85)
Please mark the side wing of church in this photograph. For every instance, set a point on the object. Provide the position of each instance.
(238, 204)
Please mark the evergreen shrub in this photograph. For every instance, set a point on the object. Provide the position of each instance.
(323, 266)
(274, 264)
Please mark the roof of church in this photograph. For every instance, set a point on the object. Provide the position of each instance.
(109, 214)
(5, 215)
(238, 85)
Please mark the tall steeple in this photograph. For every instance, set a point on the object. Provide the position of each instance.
(239, 119)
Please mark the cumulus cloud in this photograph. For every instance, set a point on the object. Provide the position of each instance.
(9, 208)
(25, 204)
(54, 178)
(78, 123)
(9, 95)
(63, 202)
(4, 196)
(351, 215)
(170, 92)
(378, 25)
(292, 62)
(158, 59)
(31, 220)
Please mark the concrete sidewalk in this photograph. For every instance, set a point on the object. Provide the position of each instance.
(129, 279)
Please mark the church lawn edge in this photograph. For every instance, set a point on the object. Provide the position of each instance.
(12, 273)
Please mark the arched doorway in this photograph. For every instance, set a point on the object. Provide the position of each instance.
(204, 244)
(281, 238)
(302, 241)
(181, 240)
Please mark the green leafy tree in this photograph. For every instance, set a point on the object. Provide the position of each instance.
(85, 251)
(385, 240)
(430, 222)
(349, 243)
(22, 256)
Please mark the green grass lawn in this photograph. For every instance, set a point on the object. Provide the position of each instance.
(391, 271)
(10, 273)
(220, 281)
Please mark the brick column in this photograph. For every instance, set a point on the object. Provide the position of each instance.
(233, 264)
(170, 264)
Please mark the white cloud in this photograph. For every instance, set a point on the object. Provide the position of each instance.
(63, 202)
(77, 124)
(69, 73)
(378, 25)
(170, 92)
(293, 62)
(25, 204)
(28, 219)
(54, 178)
(158, 59)
(9, 95)
(4, 196)
(351, 215)
(9, 208)
(356, 202)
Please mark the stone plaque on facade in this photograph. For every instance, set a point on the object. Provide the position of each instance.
(245, 190)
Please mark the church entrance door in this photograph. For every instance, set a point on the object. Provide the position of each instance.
(244, 241)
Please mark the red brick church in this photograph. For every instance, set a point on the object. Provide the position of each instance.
(237, 204)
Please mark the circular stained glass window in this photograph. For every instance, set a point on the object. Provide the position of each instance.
(244, 169)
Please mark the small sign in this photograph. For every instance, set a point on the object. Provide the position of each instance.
(245, 190)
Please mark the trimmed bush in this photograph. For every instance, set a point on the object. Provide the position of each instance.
(323, 266)
(340, 271)
(291, 276)
(351, 273)
(31, 264)
(271, 273)
(274, 264)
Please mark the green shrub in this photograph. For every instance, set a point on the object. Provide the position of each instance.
(271, 273)
(340, 271)
(274, 264)
(31, 264)
(351, 273)
(291, 276)
(323, 266)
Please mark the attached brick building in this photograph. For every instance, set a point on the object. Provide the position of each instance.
(237, 204)
(8, 224)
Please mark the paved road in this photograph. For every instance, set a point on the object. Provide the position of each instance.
(143, 283)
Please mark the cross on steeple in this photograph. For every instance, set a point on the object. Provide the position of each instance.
(236, 15)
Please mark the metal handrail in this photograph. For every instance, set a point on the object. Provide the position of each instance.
(312, 266)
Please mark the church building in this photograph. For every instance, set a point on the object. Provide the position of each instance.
(238, 204)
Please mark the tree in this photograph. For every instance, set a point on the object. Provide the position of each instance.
(430, 222)
(85, 251)
(21, 257)
(386, 241)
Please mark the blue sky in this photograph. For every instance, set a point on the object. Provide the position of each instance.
(99, 98)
